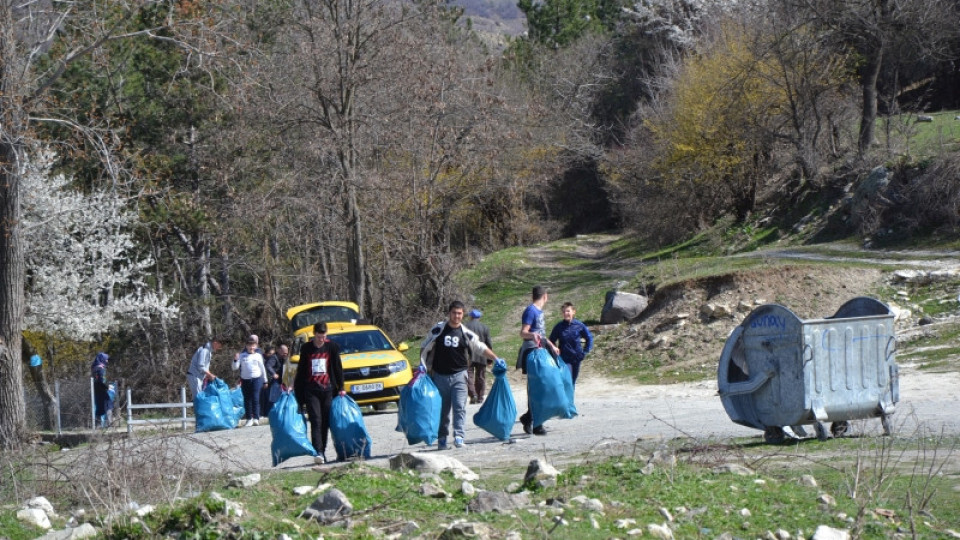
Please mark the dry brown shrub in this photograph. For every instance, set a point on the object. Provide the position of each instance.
(932, 199)
(112, 474)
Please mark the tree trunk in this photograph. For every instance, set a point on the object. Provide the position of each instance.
(203, 282)
(273, 284)
(225, 290)
(12, 406)
(868, 111)
(40, 382)
(356, 266)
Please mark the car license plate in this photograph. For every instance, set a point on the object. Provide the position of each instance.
(364, 388)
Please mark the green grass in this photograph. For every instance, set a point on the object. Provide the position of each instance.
(937, 352)
(935, 298)
(921, 139)
(15, 530)
(703, 504)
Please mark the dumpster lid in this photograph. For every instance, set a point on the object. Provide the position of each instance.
(862, 306)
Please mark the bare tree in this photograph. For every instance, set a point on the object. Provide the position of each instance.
(873, 28)
(339, 49)
(808, 101)
(387, 112)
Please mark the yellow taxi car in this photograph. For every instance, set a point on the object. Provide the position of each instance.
(303, 317)
(374, 369)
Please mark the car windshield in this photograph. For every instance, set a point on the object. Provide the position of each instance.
(357, 342)
(312, 316)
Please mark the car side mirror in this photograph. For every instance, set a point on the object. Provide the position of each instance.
(403, 347)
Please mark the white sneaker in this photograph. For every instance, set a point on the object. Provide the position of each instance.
(256, 421)
(248, 423)
(319, 460)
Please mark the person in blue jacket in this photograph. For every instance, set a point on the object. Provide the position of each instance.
(102, 398)
(572, 338)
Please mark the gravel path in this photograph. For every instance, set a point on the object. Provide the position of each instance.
(613, 418)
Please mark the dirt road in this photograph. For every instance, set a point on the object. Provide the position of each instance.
(613, 417)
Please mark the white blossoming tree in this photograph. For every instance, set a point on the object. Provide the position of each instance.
(84, 274)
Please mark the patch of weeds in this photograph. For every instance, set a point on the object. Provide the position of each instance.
(938, 351)
(628, 247)
(665, 272)
(896, 481)
(14, 529)
(919, 140)
(381, 499)
(881, 483)
(202, 518)
(646, 367)
(701, 503)
(935, 299)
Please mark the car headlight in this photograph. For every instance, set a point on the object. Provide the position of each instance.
(397, 367)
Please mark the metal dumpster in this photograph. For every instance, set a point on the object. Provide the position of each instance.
(777, 370)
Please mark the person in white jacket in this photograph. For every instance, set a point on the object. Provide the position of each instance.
(253, 375)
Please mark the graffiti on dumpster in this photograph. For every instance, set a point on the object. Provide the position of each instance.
(769, 321)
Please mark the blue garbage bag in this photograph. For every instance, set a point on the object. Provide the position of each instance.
(568, 386)
(237, 407)
(208, 407)
(418, 416)
(350, 437)
(289, 430)
(499, 411)
(547, 381)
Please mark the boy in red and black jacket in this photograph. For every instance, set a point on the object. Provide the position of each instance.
(319, 377)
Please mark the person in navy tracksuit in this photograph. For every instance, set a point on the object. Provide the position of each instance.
(573, 338)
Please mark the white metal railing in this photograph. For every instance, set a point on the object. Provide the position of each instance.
(183, 405)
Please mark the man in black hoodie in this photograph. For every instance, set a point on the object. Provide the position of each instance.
(319, 377)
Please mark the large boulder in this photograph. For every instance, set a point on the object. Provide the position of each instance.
(433, 464)
(332, 506)
(622, 306)
(498, 501)
(84, 530)
(34, 516)
(541, 473)
(824, 532)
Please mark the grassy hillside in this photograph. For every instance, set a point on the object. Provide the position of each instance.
(812, 281)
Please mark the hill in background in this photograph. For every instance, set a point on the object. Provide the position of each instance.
(494, 18)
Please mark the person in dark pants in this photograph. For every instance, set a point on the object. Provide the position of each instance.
(252, 378)
(274, 367)
(477, 372)
(534, 335)
(319, 377)
(573, 338)
(103, 402)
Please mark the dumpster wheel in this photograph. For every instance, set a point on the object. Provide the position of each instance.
(885, 422)
(821, 431)
(773, 435)
(840, 428)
